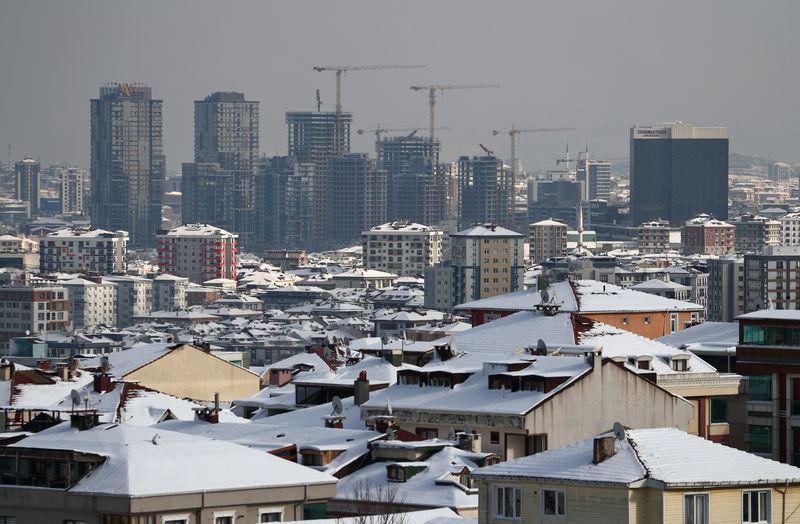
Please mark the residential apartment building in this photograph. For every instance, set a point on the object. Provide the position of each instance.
(790, 229)
(91, 304)
(316, 138)
(416, 187)
(134, 298)
(32, 311)
(677, 171)
(74, 189)
(772, 279)
(657, 237)
(357, 196)
(285, 200)
(402, 248)
(638, 476)
(84, 250)
(485, 192)
(725, 288)
(19, 253)
(707, 236)
(485, 260)
(219, 188)
(780, 171)
(596, 178)
(169, 293)
(547, 238)
(769, 342)
(27, 184)
(198, 252)
(754, 233)
(127, 160)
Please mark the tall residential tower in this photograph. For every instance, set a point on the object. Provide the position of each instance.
(127, 162)
(219, 187)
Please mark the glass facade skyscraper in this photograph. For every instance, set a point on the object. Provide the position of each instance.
(677, 172)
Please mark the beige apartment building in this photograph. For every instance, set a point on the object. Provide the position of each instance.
(401, 247)
(547, 238)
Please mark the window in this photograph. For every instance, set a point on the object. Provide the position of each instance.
(175, 519)
(494, 437)
(624, 321)
(554, 503)
(695, 508)
(270, 514)
(223, 520)
(756, 506)
(8, 520)
(70, 521)
(647, 320)
(508, 502)
(760, 387)
(673, 322)
(719, 410)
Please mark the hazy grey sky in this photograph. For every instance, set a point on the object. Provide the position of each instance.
(598, 66)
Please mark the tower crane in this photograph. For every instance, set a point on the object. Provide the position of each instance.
(432, 89)
(339, 70)
(512, 134)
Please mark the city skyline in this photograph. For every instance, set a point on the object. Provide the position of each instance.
(656, 64)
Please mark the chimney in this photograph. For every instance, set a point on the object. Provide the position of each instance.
(469, 441)
(334, 421)
(603, 449)
(6, 370)
(63, 373)
(361, 388)
(84, 420)
(103, 383)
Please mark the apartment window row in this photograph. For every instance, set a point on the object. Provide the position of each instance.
(508, 503)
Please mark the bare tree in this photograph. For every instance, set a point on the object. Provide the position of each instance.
(371, 503)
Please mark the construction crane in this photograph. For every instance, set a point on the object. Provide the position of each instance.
(432, 89)
(339, 70)
(486, 150)
(513, 132)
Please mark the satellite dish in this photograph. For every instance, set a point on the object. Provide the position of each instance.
(27, 332)
(76, 397)
(451, 433)
(74, 363)
(619, 431)
(545, 296)
(541, 347)
(389, 405)
(336, 403)
(155, 439)
(390, 433)
(105, 365)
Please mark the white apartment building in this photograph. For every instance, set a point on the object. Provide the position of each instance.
(90, 303)
(80, 249)
(169, 293)
(19, 252)
(656, 237)
(199, 252)
(790, 229)
(547, 238)
(134, 298)
(401, 247)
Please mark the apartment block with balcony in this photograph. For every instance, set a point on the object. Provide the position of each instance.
(32, 310)
(199, 252)
(80, 249)
(768, 356)
(772, 279)
(402, 248)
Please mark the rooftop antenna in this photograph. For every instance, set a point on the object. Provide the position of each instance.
(76, 398)
(619, 431)
(319, 102)
(86, 399)
(389, 406)
(336, 404)
(451, 433)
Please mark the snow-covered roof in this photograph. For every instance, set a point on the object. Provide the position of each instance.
(666, 455)
(426, 516)
(707, 333)
(364, 273)
(197, 230)
(422, 488)
(402, 226)
(599, 297)
(549, 222)
(137, 458)
(559, 292)
(771, 314)
(656, 284)
(487, 231)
